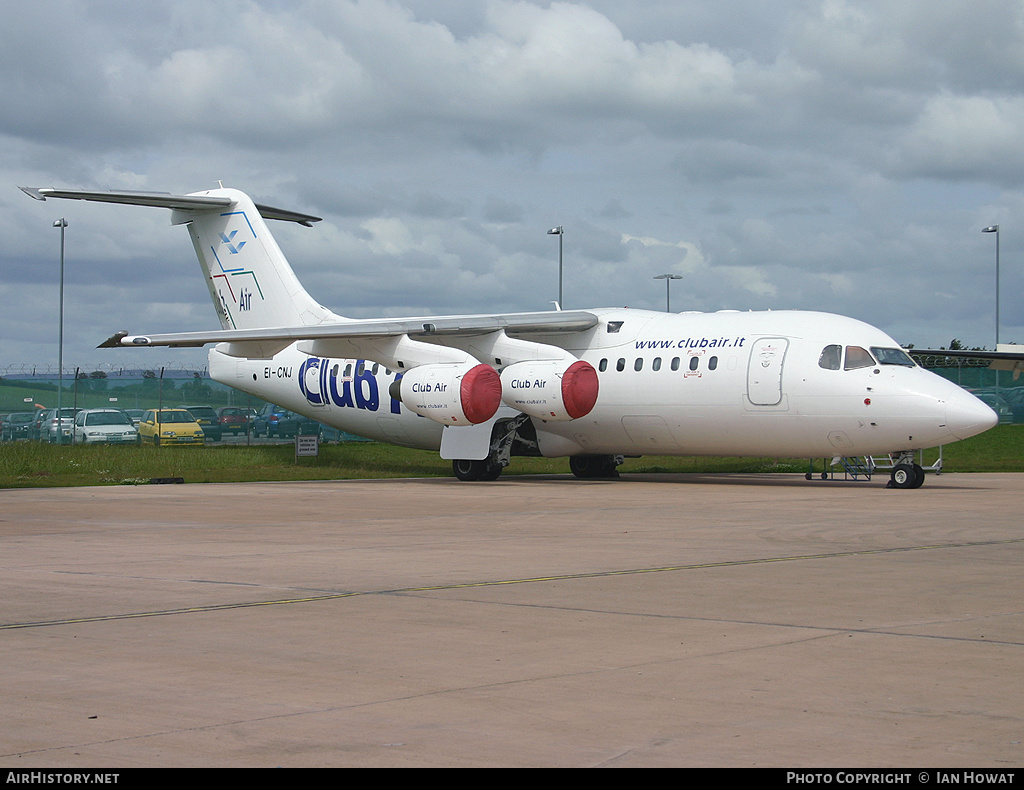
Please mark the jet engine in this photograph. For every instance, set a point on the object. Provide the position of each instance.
(555, 390)
(451, 394)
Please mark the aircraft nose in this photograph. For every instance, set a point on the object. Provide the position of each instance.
(967, 416)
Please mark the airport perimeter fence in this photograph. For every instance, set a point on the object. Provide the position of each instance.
(28, 387)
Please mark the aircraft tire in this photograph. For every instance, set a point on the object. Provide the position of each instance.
(469, 470)
(918, 476)
(905, 476)
(591, 466)
(581, 466)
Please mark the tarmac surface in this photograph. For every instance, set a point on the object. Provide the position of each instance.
(657, 620)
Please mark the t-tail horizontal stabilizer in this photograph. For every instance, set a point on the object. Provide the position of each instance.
(166, 200)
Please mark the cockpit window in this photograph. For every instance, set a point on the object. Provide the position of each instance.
(892, 356)
(830, 357)
(857, 357)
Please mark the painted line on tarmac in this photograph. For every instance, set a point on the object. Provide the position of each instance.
(500, 582)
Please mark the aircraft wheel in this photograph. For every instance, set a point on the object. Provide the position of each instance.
(608, 466)
(918, 476)
(904, 476)
(582, 465)
(591, 466)
(492, 472)
(469, 470)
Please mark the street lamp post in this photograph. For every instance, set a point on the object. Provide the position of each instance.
(995, 229)
(559, 232)
(62, 224)
(668, 278)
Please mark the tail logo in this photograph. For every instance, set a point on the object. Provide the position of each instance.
(232, 248)
(227, 239)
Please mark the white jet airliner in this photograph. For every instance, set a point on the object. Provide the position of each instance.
(592, 385)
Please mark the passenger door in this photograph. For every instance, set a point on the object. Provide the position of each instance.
(764, 371)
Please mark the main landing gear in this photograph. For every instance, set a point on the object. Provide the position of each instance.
(519, 433)
(503, 436)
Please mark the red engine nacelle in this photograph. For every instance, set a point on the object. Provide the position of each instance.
(550, 390)
(456, 394)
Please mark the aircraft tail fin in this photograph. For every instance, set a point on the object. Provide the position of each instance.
(250, 280)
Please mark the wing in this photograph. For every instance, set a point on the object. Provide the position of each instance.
(398, 343)
(419, 328)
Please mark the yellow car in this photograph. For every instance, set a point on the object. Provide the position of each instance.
(170, 426)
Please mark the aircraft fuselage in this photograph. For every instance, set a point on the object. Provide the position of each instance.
(781, 384)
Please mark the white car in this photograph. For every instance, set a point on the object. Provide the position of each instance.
(104, 426)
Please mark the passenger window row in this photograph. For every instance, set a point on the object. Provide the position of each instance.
(675, 364)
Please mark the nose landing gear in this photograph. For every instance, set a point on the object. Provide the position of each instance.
(906, 473)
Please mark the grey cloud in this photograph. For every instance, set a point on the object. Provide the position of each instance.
(822, 154)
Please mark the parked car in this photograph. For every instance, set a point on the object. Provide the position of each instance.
(16, 426)
(57, 431)
(104, 426)
(170, 426)
(266, 420)
(35, 429)
(233, 419)
(207, 418)
(291, 424)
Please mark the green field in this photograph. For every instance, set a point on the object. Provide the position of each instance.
(31, 464)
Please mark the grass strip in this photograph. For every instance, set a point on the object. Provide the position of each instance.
(31, 464)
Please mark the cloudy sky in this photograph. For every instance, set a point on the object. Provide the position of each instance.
(838, 155)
